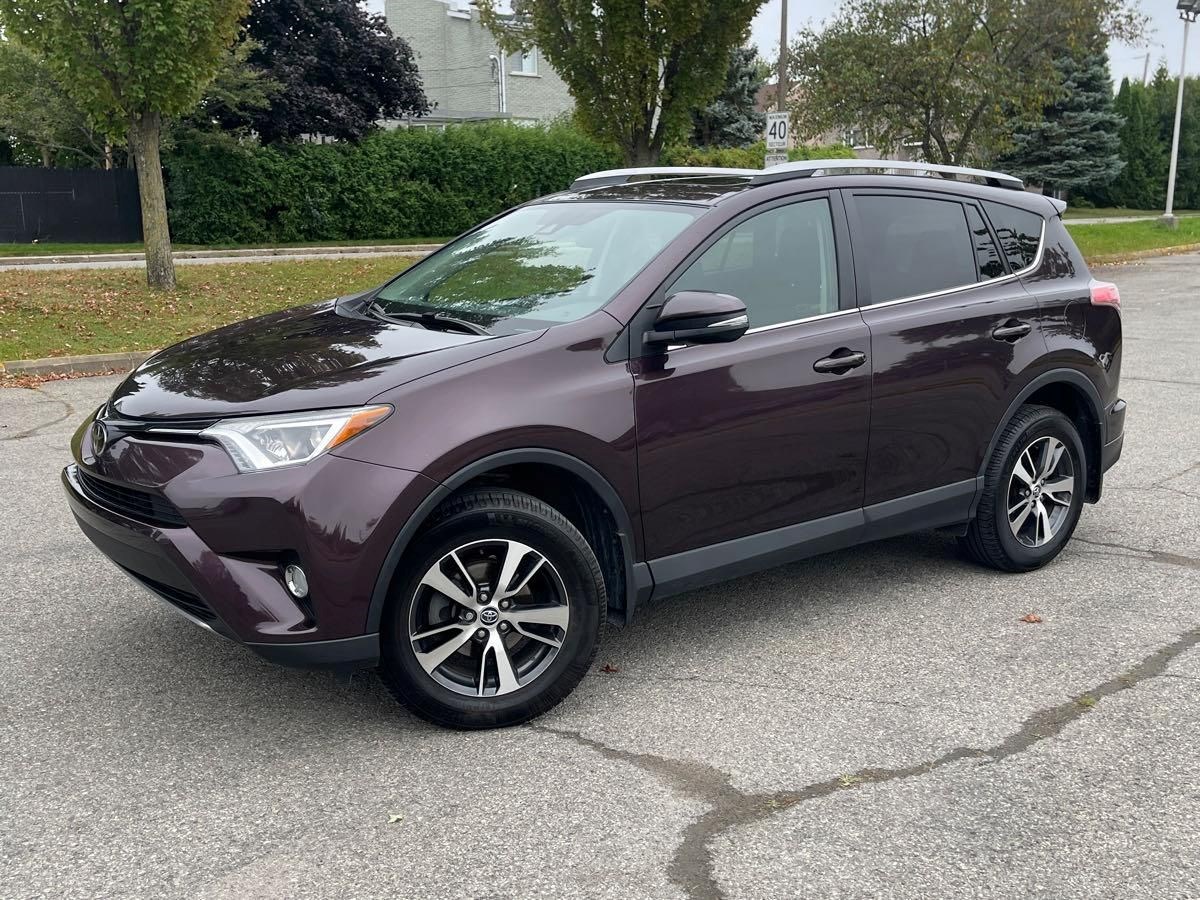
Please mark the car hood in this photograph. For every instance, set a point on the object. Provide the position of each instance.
(310, 357)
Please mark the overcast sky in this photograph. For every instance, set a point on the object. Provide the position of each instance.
(1166, 38)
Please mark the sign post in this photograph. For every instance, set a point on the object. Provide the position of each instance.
(777, 139)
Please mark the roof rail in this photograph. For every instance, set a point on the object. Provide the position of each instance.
(649, 173)
(810, 167)
(803, 169)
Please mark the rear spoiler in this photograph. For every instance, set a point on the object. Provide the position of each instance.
(1060, 206)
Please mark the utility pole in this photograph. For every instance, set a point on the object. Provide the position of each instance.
(1146, 72)
(781, 102)
(1189, 11)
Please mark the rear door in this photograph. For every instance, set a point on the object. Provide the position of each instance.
(951, 329)
(741, 438)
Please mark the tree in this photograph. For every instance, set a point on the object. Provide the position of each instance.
(1163, 95)
(34, 109)
(128, 65)
(1141, 184)
(239, 91)
(339, 69)
(948, 74)
(637, 70)
(731, 120)
(1075, 144)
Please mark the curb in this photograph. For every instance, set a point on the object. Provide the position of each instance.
(1116, 259)
(93, 364)
(389, 249)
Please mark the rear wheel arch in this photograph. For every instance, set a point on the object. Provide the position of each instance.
(1074, 395)
(591, 504)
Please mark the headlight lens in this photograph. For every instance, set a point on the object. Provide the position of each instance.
(268, 442)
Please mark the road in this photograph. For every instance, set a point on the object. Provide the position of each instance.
(874, 723)
(206, 257)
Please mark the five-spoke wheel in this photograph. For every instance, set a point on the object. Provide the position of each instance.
(497, 616)
(1033, 492)
(489, 617)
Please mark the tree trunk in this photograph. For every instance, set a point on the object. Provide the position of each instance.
(143, 144)
(47, 159)
(640, 151)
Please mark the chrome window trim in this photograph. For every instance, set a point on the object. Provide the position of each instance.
(1013, 276)
(790, 322)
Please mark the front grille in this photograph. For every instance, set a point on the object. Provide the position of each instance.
(189, 603)
(136, 504)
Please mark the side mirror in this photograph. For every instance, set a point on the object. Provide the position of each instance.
(699, 317)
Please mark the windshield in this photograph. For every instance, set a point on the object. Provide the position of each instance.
(538, 266)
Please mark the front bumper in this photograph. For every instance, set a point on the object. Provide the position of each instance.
(222, 567)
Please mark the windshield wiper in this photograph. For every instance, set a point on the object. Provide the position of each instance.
(434, 321)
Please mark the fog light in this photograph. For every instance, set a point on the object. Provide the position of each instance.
(296, 581)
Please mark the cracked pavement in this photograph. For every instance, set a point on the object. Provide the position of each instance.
(873, 723)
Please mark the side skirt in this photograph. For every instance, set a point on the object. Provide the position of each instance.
(952, 504)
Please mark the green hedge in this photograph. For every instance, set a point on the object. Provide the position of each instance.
(404, 183)
(746, 157)
(395, 184)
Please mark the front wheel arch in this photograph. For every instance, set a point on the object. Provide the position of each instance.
(636, 581)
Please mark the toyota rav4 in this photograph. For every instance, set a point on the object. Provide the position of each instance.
(655, 380)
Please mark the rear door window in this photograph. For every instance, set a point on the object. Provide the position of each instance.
(1019, 230)
(913, 245)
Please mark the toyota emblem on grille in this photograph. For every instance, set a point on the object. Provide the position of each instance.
(99, 437)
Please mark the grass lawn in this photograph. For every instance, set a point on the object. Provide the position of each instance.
(52, 249)
(1112, 241)
(110, 310)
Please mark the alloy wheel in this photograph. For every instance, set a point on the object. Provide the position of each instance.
(1040, 491)
(488, 618)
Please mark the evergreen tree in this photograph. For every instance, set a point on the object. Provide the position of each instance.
(731, 120)
(1142, 184)
(1075, 145)
(1164, 91)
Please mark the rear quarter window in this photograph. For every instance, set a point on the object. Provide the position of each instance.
(1019, 230)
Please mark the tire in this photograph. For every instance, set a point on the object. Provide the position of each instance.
(991, 539)
(450, 588)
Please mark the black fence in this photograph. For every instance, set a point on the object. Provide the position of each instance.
(73, 205)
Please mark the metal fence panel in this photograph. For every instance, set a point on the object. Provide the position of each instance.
(69, 205)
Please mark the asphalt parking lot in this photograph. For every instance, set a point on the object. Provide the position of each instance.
(872, 723)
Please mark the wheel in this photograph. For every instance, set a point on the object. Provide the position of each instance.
(497, 616)
(1033, 492)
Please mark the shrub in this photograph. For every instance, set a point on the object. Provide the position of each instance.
(746, 157)
(395, 184)
(403, 183)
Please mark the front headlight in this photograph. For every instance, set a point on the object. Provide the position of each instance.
(268, 442)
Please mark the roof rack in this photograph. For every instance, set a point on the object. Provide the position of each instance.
(651, 173)
(803, 169)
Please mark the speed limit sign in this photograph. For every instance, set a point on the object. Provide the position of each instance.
(777, 131)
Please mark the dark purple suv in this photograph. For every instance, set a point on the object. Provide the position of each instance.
(655, 380)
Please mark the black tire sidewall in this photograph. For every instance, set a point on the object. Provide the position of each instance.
(575, 565)
(1050, 423)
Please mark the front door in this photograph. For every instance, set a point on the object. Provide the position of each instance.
(738, 439)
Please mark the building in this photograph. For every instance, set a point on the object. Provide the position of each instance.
(465, 74)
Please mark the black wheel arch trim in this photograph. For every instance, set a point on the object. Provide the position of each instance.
(1073, 377)
(637, 574)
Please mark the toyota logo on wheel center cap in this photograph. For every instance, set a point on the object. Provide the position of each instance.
(489, 616)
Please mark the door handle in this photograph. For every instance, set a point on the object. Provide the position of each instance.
(1012, 330)
(841, 360)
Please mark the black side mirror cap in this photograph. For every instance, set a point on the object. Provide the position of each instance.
(699, 317)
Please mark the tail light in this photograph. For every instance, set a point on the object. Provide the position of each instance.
(1105, 293)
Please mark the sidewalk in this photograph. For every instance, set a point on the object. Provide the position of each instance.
(210, 257)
